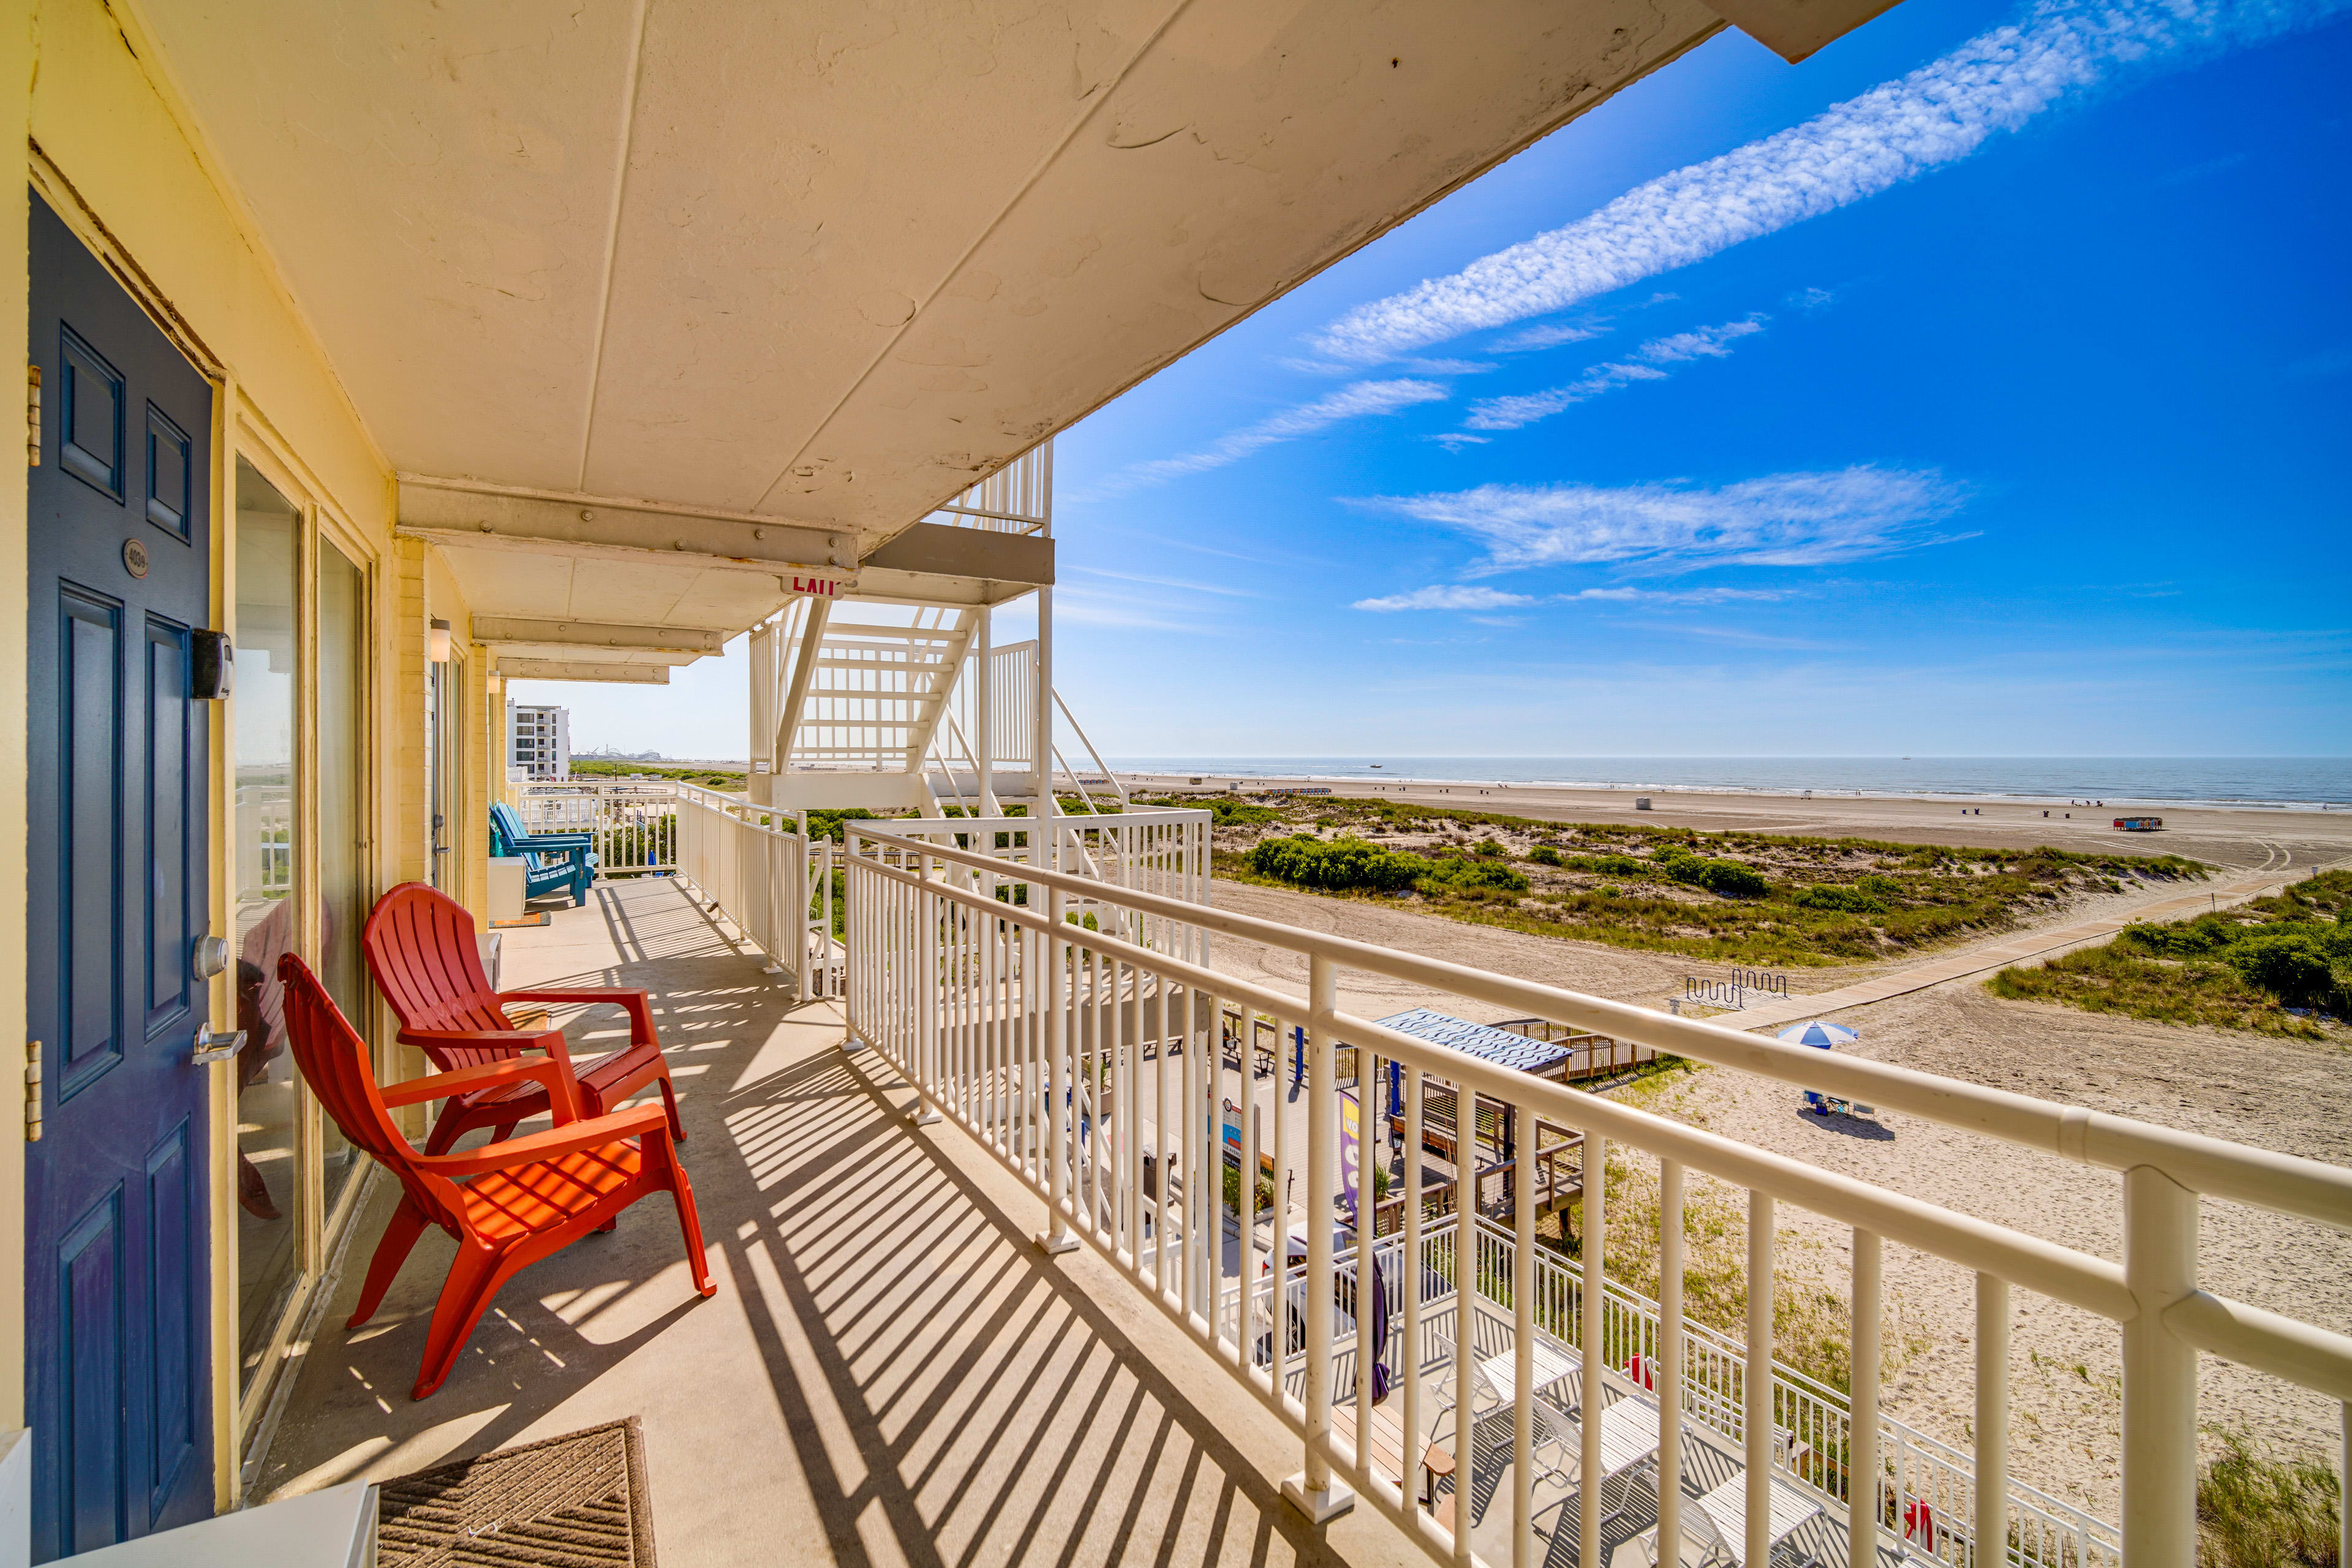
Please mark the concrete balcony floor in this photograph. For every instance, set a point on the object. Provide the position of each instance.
(891, 1371)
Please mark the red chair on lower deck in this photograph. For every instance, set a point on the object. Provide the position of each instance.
(420, 947)
(526, 1199)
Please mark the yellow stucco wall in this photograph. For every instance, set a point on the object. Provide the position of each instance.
(110, 145)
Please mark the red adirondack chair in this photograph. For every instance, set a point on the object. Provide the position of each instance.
(526, 1199)
(420, 948)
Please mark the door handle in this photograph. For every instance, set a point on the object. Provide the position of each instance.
(215, 1044)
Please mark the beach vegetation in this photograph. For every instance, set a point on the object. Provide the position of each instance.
(709, 778)
(1735, 895)
(2276, 966)
(1852, 900)
(2255, 1512)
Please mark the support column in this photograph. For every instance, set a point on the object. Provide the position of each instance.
(1041, 742)
(983, 711)
(761, 655)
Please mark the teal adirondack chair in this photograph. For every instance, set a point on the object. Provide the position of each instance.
(552, 862)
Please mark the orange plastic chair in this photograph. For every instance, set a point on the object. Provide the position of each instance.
(420, 947)
(509, 1203)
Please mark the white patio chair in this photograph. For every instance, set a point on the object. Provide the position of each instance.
(1718, 1521)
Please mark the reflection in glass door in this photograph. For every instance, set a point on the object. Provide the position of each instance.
(342, 818)
(269, 1173)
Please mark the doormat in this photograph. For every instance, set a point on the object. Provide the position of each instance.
(575, 1502)
(534, 919)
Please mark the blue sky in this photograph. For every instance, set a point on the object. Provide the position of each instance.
(1979, 386)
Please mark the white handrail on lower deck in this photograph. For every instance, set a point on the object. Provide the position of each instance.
(994, 1010)
(774, 883)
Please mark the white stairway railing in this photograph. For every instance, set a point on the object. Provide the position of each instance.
(773, 882)
(1046, 1040)
(1157, 850)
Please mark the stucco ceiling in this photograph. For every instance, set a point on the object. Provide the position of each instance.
(829, 262)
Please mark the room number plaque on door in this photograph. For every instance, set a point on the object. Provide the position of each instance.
(135, 557)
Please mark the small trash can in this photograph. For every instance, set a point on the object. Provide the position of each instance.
(506, 886)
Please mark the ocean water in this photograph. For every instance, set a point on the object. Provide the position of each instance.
(2306, 783)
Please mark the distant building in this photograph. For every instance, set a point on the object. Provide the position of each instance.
(538, 740)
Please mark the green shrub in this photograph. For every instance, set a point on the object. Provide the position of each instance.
(827, 824)
(1453, 876)
(1727, 878)
(1846, 900)
(2290, 965)
(1339, 864)
(1883, 887)
(1489, 848)
(1544, 855)
(1607, 865)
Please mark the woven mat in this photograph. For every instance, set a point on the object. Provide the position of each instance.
(574, 1502)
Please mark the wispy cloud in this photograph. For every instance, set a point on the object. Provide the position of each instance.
(1669, 596)
(1781, 520)
(1458, 598)
(1941, 112)
(1446, 598)
(1644, 364)
(1551, 337)
(1355, 401)
(1223, 590)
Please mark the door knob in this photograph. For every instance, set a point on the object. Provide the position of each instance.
(209, 957)
(215, 1044)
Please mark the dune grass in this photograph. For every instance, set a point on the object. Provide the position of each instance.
(2253, 1511)
(1733, 897)
(2241, 968)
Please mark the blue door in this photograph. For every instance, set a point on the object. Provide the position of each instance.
(118, 1364)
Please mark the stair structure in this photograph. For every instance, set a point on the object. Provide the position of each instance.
(890, 695)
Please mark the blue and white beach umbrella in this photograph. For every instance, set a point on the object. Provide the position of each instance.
(1827, 1036)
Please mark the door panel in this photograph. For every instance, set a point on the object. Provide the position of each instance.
(175, 1265)
(116, 1343)
(90, 1264)
(90, 779)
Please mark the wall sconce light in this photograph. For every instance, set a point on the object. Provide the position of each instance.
(436, 642)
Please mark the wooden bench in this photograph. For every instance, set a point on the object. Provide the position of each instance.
(1389, 1445)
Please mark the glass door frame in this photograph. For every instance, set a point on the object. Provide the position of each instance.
(322, 1232)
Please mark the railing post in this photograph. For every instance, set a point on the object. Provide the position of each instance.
(2159, 1374)
(1992, 1421)
(1757, 1379)
(1862, 1442)
(1057, 1129)
(926, 913)
(794, 928)
(1313, 1492)
(1670, 1364)
(1592, 1284)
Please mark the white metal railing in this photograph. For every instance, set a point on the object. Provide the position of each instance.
(758, 867)
(1090, 1064)
(1016, 498)
(265, 837)
(634, 823)
(1157, 850)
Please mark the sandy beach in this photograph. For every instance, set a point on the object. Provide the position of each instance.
(2279, 1094)
(2247, 837)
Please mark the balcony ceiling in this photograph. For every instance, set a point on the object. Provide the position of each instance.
(831, 261)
